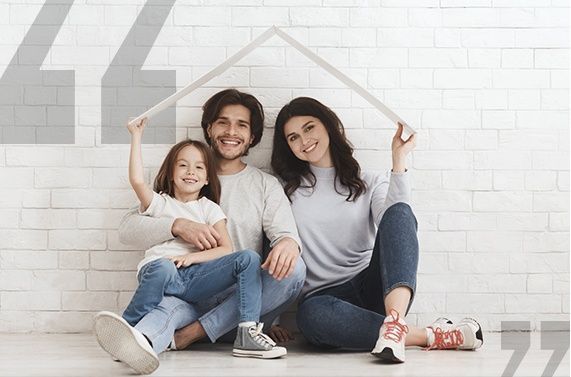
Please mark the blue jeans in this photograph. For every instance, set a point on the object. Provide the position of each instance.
(348, 316)
(219, 314)
(199, 282)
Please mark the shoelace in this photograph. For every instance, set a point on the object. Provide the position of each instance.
(261, 338)
(395, 330)
(444, 340)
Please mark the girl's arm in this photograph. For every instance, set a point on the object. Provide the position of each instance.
(224, 248)
(136, 174)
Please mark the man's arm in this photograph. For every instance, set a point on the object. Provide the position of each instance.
(144, 231)
(279, 226)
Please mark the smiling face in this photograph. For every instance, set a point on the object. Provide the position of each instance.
(308, 140)
(189, 174)
(230, 132)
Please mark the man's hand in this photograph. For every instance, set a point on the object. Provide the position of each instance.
(202, 236)
(282, 258)
(280, 334)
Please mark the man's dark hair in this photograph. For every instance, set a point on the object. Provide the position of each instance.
(212, 108)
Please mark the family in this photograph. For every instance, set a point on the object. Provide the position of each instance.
(229, 247)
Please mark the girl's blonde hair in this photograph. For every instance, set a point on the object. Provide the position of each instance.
(164, 180)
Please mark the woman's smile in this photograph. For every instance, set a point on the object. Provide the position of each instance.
(310, 148)
(308, 140)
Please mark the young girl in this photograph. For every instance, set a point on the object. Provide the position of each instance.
(187, 186)
(359, 239)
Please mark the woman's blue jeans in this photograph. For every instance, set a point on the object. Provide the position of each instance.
(349, 315)
(199, 282)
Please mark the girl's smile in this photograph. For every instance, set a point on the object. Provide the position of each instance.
(189, 174)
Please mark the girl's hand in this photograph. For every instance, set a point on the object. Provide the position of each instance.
(183, 260)
(401, 148)
(136, 128)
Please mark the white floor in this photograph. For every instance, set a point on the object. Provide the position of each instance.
(79, 355)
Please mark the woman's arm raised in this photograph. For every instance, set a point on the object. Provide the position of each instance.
(400, 149)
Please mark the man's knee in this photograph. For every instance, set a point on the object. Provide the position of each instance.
(170, 304)
(249, 256)
(294, 282)
(298, 273)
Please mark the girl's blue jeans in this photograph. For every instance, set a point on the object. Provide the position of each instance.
(199, 282)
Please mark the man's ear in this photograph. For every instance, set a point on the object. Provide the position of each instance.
(209, 131)
(251, 139)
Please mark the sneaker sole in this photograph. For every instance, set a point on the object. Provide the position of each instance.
(387, 355)
(273, 354)
(116, 339)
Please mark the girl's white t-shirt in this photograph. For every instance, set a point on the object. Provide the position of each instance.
(202, 211)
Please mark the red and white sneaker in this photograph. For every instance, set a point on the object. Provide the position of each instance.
(445, 335)
(390, 345)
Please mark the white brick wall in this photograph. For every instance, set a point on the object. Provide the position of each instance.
(485, 82)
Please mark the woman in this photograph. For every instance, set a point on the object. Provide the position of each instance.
(360, 281)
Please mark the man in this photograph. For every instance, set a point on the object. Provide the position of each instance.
(255, 205)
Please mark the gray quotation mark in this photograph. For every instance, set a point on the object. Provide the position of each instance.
(38, 107)
(554, 336)
(128, 91)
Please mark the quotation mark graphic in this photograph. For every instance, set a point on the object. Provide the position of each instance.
(38, 106)
(128, 91)
(516, 336)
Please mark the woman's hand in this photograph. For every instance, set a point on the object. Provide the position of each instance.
(183, 260)
(136, 128)
(401, 148)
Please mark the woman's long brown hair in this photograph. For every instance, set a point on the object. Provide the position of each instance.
(164, 180)
(291, 169)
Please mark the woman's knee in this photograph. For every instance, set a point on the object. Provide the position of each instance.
(398, 210)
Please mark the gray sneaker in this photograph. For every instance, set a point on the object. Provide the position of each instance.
(252, 342)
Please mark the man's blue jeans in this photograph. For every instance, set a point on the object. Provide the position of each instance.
(219, 315)
(199, 282)
(349, 316)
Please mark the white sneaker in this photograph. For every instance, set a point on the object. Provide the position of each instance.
(390, 345)
(124, 343)
(444, 335)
